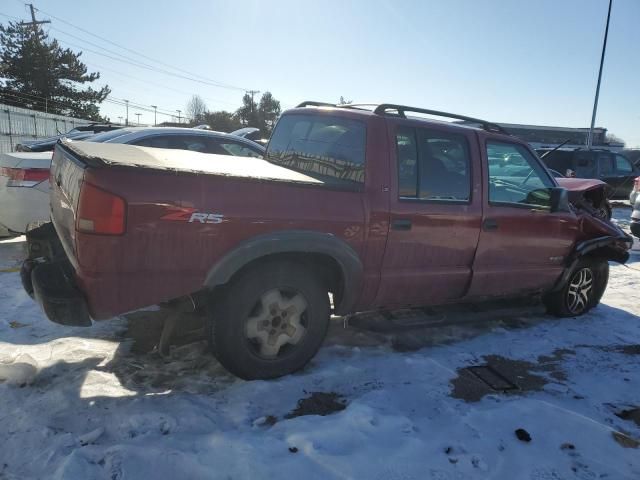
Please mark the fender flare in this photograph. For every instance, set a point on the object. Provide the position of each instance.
(295, 241)
(609, 247)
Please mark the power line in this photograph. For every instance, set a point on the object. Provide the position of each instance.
(147, 82)
(194, 76)
(145, 66)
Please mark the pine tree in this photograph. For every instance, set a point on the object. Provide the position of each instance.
(37, 73)
(268, 113)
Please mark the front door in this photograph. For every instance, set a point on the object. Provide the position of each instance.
(618, 172)
(435, 214)
(522, 245)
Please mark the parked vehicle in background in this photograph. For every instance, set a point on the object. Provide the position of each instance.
(79, 133)
(24, 189)
(251, 133)
(633, 154)
(377, 208)
(24, 176)
(194, 139)
(634, 199)
(612, 168)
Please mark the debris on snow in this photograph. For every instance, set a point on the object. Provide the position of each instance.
(318, 403)
(523, 435)
(90, 437)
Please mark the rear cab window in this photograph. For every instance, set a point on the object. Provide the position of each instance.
(328, 148)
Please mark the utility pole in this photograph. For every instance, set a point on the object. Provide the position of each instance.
(126, 122)
(155, 112)
(34, 23)
(595, 102)
(120, 118)
(179, 111)
(252, 93)
(138, 114)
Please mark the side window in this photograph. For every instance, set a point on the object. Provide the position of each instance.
(238, 150)
(606, 163)
(585, 165)
(433, 165)
(331, 149)
(623, 166)
(516, 177)
(155, 141)
(407, 155)
(193, 143)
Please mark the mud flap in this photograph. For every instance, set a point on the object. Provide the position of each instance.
(61, 301)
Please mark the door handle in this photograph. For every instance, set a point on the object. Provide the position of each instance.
(489, 224)
(401, 224)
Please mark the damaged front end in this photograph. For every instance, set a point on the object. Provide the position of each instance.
(588, 194)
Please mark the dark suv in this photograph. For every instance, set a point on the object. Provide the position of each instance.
(612, 168)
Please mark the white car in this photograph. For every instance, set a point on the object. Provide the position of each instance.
(24, 176)
(24, 189)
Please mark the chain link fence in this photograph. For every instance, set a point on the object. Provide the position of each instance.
(21, 124)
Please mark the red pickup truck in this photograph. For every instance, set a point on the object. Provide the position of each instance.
(353, 208)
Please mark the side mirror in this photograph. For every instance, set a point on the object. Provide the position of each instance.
(559, 199)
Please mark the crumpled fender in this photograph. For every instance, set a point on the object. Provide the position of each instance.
(580, 184)
(577, 187)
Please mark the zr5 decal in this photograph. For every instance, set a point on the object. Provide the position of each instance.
(191, 215)
(206, 217)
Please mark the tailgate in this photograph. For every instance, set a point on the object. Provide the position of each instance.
(67, 173)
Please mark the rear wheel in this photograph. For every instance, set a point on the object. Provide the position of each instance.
(583, 291)
(270, 321)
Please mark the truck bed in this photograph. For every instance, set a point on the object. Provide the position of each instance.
(103, 155)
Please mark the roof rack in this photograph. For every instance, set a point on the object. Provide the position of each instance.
(401, 109)
(382, 109)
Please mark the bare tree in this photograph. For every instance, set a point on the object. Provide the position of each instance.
(611, 138)
(196, 108)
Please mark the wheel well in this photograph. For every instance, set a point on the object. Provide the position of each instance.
(328, 269)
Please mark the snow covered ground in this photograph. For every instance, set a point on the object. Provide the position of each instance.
(79, 403)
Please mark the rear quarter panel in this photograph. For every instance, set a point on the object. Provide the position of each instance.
(160, 259)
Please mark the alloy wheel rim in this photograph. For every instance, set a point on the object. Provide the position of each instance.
(580, 290)
(277, 320)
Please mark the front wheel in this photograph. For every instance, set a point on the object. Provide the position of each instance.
(583, 291)
(270, 321)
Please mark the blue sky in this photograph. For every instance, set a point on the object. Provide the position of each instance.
(507, 61)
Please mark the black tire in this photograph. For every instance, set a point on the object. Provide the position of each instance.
(241, 304)
(563, 303)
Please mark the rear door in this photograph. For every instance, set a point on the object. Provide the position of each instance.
(522, 245)
(435, 214)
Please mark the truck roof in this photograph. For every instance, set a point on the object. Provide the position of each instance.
(396, 110)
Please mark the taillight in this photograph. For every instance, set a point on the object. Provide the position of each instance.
(100, 211)
(24, 177)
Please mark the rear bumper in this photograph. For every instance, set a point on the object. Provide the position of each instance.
(47, 276)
